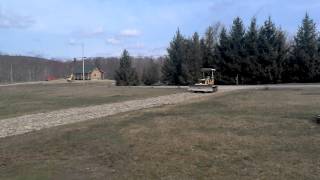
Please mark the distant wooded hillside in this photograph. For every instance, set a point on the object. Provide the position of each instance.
(24, 69)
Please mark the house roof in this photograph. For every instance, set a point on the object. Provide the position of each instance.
(88, 68)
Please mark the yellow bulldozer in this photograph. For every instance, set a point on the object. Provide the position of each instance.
(206, 84)
(70, 78)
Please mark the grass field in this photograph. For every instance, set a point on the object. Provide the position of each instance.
(27, 99)
(262, 134)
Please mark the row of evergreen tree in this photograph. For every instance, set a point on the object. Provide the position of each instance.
(253, 55)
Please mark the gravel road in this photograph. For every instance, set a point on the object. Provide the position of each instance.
(34, 122)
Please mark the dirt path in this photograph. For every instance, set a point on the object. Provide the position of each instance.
(34, 122)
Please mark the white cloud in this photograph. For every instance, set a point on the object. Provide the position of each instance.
(130, 33)
(10, 20)
(113, 41)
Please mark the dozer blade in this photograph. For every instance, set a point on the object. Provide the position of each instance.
(203, 88)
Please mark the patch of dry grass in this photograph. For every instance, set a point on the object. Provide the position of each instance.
(29, 99)
(245, 135)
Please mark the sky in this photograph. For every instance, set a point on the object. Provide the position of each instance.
(57, 28)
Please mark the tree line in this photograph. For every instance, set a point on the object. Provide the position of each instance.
(22, 69)
(246, 55)
(25, 69)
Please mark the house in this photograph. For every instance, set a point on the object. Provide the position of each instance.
(91, 72)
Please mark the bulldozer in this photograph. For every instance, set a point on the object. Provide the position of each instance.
(206, 84)
(70, 78)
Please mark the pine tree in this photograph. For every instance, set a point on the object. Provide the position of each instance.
(272, 52)
(237, 51)
(150, 75)
(318, 46)
(203, 51)
(317, 78)
(175, 70)
(97, 62)
(305, 51)
(194, 58)
(250, 68)
(126, 75)
(282, 49)
(208, 48)
(223, 52)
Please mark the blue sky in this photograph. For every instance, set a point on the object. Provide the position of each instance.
(56, 28)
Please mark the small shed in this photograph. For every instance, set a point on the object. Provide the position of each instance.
(91, 72)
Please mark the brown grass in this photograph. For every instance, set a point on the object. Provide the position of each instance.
(29, 99)
(246, 135)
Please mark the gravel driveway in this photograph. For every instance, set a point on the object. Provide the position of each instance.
(34, 122)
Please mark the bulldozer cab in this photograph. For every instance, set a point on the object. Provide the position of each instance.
(208, 76)
(206, 81)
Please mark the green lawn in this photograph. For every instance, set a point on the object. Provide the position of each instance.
(26, 99)
(263, 134)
